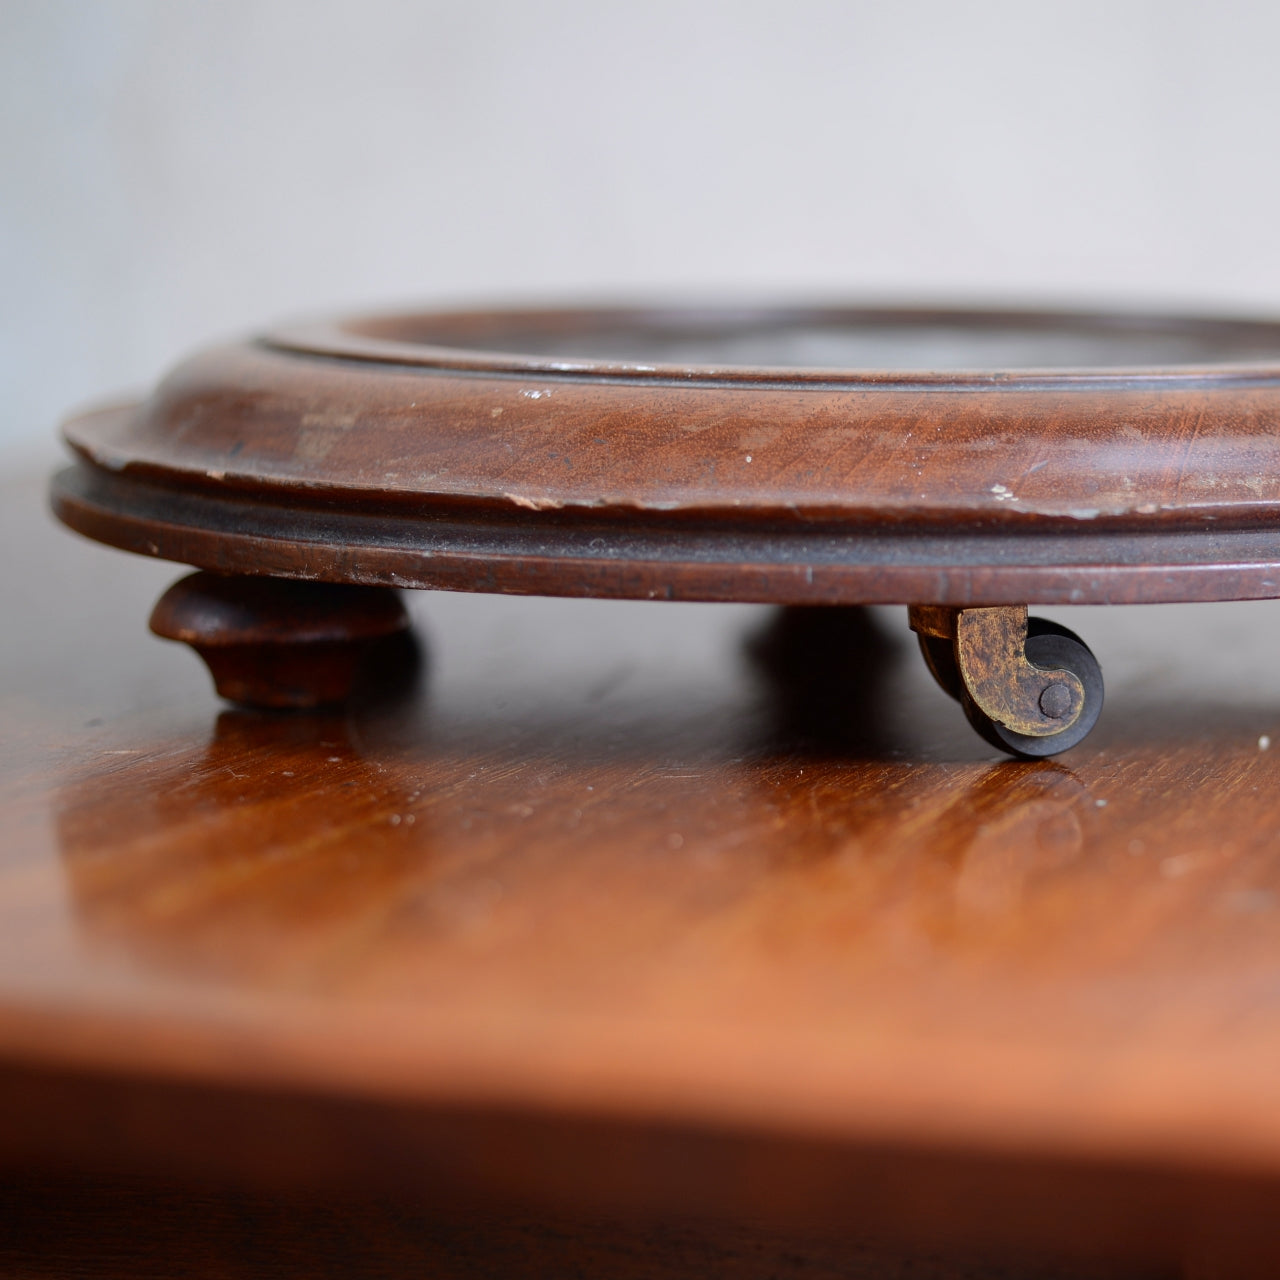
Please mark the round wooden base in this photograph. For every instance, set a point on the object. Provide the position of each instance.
(964, 463)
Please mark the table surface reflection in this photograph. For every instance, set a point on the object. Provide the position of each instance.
(712, 868)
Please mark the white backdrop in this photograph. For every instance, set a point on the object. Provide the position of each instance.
(172, 171)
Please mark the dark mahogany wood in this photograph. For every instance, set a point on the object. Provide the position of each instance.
(1139, 462)
(282, 643)
(702, 925)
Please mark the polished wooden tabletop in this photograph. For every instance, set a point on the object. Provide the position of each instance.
(648, 909)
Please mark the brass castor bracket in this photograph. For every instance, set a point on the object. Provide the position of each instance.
(1028, 686)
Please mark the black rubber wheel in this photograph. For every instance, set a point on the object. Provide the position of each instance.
(940, 658)
(1048, 645)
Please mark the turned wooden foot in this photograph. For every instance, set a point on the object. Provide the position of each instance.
(1027, 685)
(275, 642)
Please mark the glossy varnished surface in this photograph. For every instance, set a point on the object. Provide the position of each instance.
(367, 452)
(1151, 449)
(672, 908)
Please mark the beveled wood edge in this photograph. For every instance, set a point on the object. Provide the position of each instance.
(87, 436)
(768, 564)
(342, 338)
(460, 1061)
(456, 1157)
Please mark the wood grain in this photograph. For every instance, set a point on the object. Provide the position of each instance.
(650, 910)
(366, 452)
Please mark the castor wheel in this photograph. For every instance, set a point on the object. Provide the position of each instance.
(1027, 685)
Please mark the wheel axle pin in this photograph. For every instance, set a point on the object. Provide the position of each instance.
(1055, 701)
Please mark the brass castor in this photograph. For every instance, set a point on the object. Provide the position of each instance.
(1028, 686)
